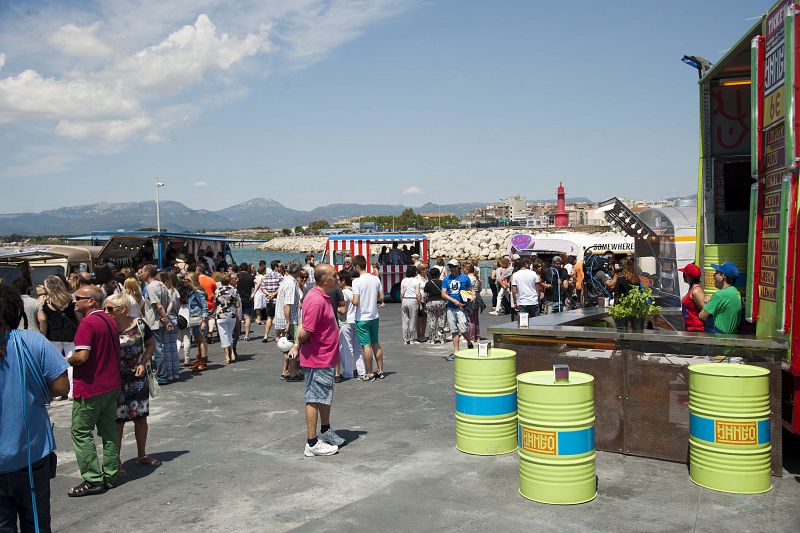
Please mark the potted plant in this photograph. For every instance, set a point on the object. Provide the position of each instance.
(636, 306)
(621, 316)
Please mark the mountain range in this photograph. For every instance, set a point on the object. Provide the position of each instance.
(175, 216)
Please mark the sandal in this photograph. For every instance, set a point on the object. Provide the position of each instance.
(284, 376)
(148, 461)
(337, 379)
(121, 472)
(86, 489)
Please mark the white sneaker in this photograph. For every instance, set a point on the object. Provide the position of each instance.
(331, 438)
(320, 448)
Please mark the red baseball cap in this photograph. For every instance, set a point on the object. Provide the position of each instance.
(692, 270)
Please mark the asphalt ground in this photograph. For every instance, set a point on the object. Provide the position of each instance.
(232, 440)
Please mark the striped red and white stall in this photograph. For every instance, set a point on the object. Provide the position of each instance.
(340, 246)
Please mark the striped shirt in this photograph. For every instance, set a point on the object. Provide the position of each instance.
(270, 283)
(288, 294)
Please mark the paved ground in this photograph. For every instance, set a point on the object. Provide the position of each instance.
(232, 441)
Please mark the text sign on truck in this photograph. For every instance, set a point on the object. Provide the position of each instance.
(775, 66)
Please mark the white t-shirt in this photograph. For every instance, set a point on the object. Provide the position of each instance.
(134, 308)
(568, 267)
(351, 309)
(408, 287)
(525, 281)
(368, 287)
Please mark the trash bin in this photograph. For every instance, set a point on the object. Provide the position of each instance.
(556, 438)
(486, 402)
(729, 432)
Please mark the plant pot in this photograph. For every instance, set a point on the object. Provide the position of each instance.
(637, 325)
(622, 323)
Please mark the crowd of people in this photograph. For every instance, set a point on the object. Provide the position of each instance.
(107, 340)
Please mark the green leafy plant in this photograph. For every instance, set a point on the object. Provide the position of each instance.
(638, 303)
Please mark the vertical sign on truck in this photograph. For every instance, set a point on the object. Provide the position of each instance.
(774, 149)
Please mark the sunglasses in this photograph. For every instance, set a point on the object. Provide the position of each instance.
(110, 309)
(79, 298)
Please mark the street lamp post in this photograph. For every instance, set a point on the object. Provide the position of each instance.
(158, 205)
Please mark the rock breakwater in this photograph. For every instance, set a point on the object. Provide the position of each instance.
(475, 244)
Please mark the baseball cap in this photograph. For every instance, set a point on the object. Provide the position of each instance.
(727, 269)
(515, 257)
(414, 255)
(692, 270)
(454, 263)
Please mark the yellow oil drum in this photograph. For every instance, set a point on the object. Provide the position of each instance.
(556, 438)
(729, 432)
(486, 402)
(719, 253)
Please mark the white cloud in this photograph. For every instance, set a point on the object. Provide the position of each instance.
(200, 183)
(110, 130)
(30, 96)
(79, 41)
(412, 190)
(112, 71)
(185, 57)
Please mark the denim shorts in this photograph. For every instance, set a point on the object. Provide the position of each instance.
(456, 320)
(319, 385)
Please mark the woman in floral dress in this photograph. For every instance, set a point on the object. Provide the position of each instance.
(226, 307)
(137, 345)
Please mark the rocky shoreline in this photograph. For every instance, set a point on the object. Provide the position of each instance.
(475, 244)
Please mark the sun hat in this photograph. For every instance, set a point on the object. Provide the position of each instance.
(727, 269)
(691, 270)
(454, 263)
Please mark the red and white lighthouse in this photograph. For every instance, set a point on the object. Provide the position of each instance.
(562, 218)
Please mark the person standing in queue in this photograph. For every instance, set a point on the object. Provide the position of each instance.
(367, 298)
(723, 312)
(27, 436)
(452, 285)
(694, 300)
(96, 364)
(317, 343)
(555, 281)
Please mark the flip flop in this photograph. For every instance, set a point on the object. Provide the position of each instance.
(148, 461)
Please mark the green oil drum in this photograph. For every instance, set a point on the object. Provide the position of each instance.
(729, 433)
(718, 254)
(486, 402)
(556, 438)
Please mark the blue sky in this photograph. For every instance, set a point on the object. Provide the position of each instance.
(373, 101)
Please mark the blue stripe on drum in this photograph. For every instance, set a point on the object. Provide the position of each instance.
(486, 405)
(576, 442)
(763, 431)
(703, 428)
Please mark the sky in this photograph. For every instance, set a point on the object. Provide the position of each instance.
(311, 102)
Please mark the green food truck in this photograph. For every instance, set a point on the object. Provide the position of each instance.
(747, 209)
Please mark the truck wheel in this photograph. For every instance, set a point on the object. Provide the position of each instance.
(395, 292)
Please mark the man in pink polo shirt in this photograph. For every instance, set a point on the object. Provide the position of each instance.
(319, 337)
(97, 383)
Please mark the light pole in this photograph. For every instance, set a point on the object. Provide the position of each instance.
(158, 205)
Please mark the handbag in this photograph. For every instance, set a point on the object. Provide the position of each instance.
(152, 382)
(195, 321)
(182, 322)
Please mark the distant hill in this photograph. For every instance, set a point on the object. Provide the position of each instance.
(175, 216)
